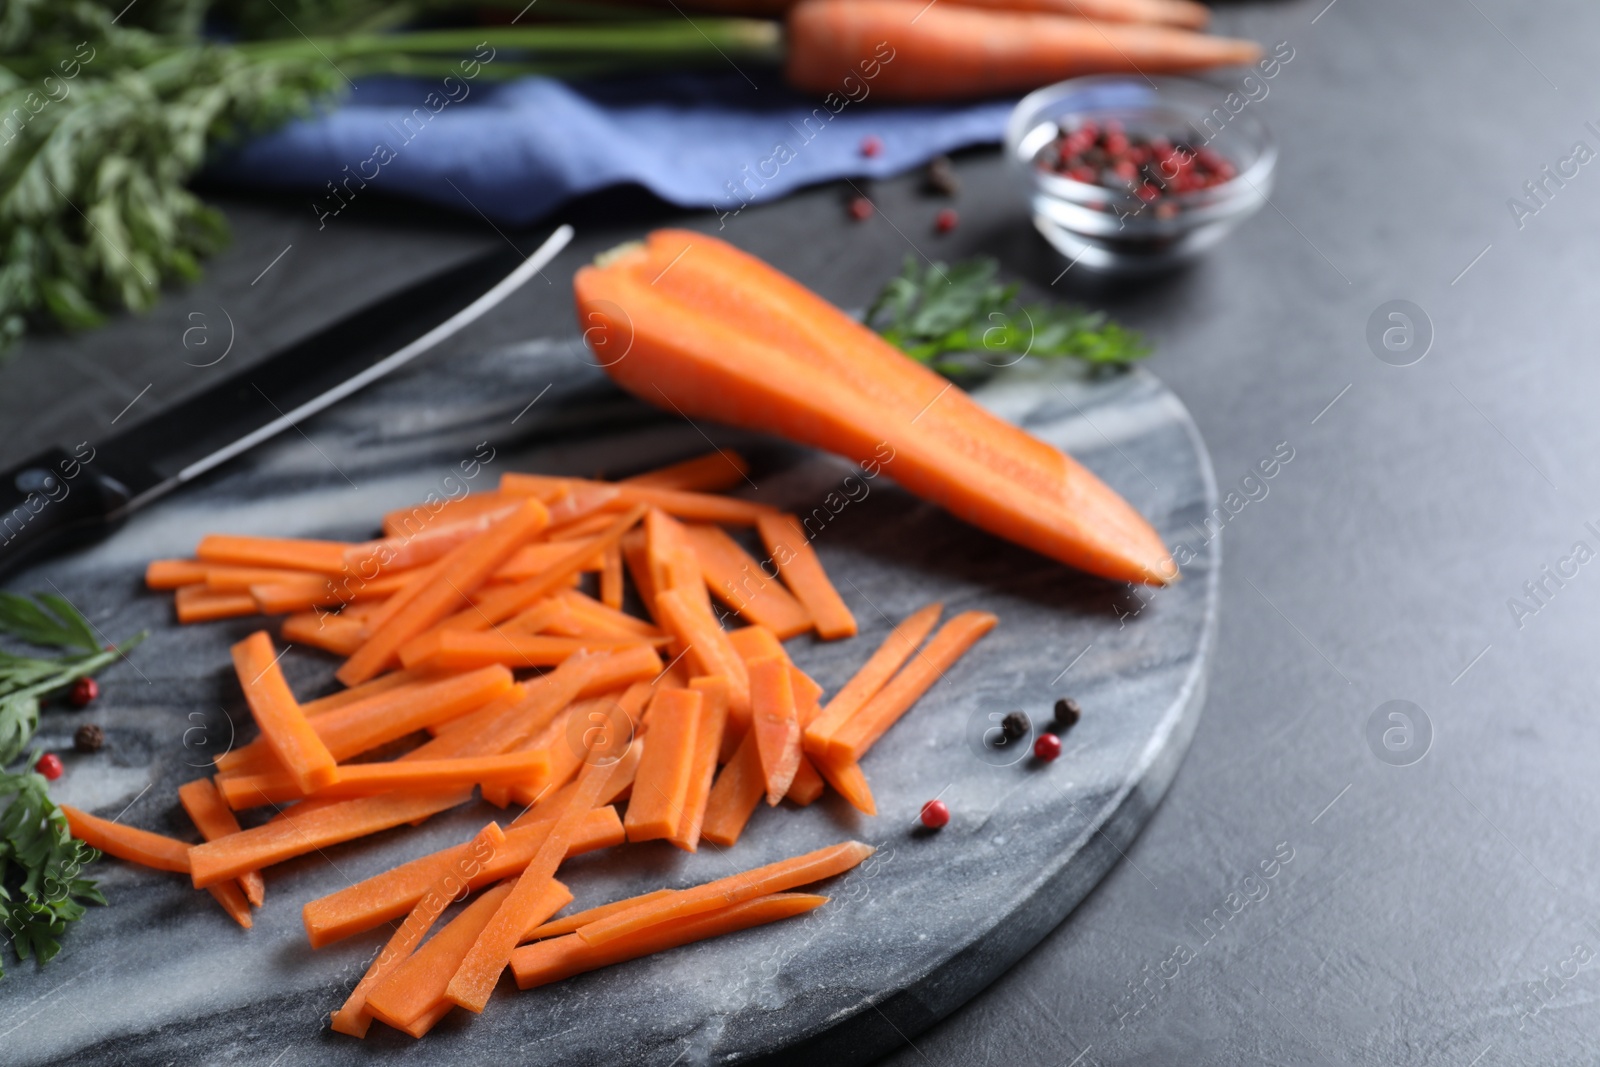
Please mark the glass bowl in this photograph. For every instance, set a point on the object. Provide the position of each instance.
(1113, 229)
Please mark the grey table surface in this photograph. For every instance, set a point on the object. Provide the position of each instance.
(1436, 912)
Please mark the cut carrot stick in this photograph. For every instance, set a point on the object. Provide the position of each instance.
(295, 833)
(174, 573)
(739, 581)
(879, 668)
(370, 779)
(848, 781)
(461, 571)
(390, 894)
(404, 551)
(196, 603)
(326, 557)
(429, 515)
(464, 650)
(355, 694)
(713, 692)
(549, 961)
(535, 560)
(636, 558)
(735, 795)
(581, 528)
(603, 712)
(353, 1018)
(809, 372)
(332, 633)
(725, 892)
(695, 507)
(611, 578)
(388, 713)
(283, 725)
(212, 818)
(593, 609)
(713, 472)
(708, 646)
(661, 785)
(568, 923)
(222, 578)
(858, 733)
(502, 604)
(128, 843)
(807, 786)
(773, 723)
(317, 591)
(755, 642)
(802, 571)
(417, 988)
(522, 910)
(537, 618)
(233, 901)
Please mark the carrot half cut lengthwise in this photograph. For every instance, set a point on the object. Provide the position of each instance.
(549, 961)
(873, 675)
(918, 676)
(213, 819)
(797, 562)
(295, 833)
(722, 335)
(952, 51)
(710, 896)
(353, 1018)
(287, 731)
(458, 574)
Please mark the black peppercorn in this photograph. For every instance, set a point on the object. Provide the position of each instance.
(1067, 713)
(942, 177)
(89, 738)
(1015, 726)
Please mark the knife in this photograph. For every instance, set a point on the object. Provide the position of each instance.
(60, 498)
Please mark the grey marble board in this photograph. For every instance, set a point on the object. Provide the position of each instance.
(162, 976)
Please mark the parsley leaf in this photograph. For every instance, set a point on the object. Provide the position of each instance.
(963, 322)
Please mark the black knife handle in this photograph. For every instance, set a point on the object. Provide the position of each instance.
(55, 500)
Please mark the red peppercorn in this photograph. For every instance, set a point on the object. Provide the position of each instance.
(935, 813)
(871, 146)
(861, 209)
(49, 765)
(83, 692)
(945, 220)
(1147, 192)
(1047, 747)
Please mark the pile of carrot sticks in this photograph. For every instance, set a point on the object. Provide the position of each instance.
(467, 635)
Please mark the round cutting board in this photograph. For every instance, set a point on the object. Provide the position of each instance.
(161, 975)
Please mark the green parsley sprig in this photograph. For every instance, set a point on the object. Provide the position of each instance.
(41, 885)
(964, 323)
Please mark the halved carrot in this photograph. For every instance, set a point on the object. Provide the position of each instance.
(713, 692)
(283, 725)
(288, 553)
(848, 781)
(735, 889)
(661, 785)
(773, 723)
(568, 923)
(707, 644)
(858, 733)
(879, 668)
(127, 842)
(695, 507)
(460, 572)
(390, 894)
(464, 650)
(196, 603)
(802, 571)
(523, 909)
(611, 578)
(174, 573)
(353, 727)
(370, 779)
(324, 630)
(415, 990)
(549, 961)
(710, 473)
(297, 832)
(735, 794)
(739, 581)
(212, 818)
(353, 1018)
(730, 338)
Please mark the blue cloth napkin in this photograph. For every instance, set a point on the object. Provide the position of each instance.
(517, 150)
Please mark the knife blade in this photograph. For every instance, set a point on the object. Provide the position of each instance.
(60, 498)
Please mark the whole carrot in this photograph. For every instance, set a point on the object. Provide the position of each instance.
(908, 50)
(1167, 12)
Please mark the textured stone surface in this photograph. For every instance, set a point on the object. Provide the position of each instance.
(163, 976)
